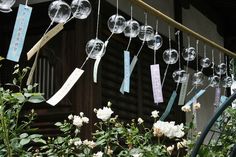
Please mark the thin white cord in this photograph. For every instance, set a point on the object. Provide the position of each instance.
(98, 17)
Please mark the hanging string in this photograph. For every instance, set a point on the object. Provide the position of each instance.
(213, 62)
(26, 2)
(169, 37)
(145, 13)
(205, 51)
(188, 38)
(165, 73)
(30, 77)
(131, 17)
(220, 58)
(177, 33)
(117, 12)
(97, 31)
(98, 18)
(226, 62)
(204, 54)
(155, 51)
(117, 7)
(197, 43)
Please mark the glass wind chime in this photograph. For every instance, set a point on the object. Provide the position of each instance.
(145, 34)
(81, 10)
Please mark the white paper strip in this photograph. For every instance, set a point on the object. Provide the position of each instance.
(132, 65)
(183, 91)
(156, 83)
(217, 97)
(95, 69)
(72, 79)
(44, 40)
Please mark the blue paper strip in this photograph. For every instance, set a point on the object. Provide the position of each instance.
(126, 71)
(200, 93)
(169, 106)
(223, 99)
(132, 65)
(19, 33)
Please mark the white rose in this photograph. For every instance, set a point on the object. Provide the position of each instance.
(90, 144)
(140, 120)
(81, 114)
(186, 108)
(170, 149)
(137, 155)
(77, 121)
(104, 114)
(98, 154)
(196, 106)
(78, 143)
(70, 117)
(85, 119)
(155, 114)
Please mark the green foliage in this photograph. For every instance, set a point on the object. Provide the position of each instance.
(14, 133)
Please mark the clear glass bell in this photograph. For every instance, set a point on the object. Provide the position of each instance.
(95, 48)
(179, 76)
(5, 5)
(198, 78)
(227, 81)
(214, 81)
(189, 54)
(59, 11)
(156, 42)
(146, 33)
(205, 62)
(170, 56)
(116, 24)
(221, 69)
(132, 29)
(81, 9)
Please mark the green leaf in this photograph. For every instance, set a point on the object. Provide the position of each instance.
(19, 96)
(35, 136)
(58, 124)
(39, 140)
(24, 135)
(27, 95)
(24, 141)
(36, 99)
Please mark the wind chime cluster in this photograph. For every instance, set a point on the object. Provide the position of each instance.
(60, 12)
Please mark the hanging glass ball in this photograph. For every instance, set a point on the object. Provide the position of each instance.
(215, 81)
(227, 81)
(59, 11)
(156, 42)
(179, 76)
(132, 29)
(198, 78)
(205, 62)
(116, 24)
(170, 56)
(95, 48)
(221, 69)
(81, 8)
(5, 5)
(189, 54)
(146, 33)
